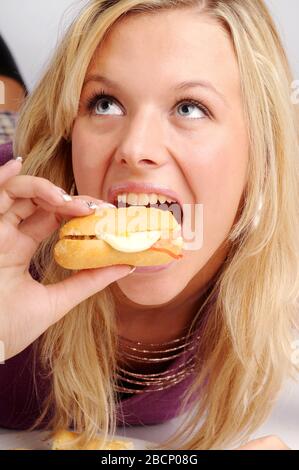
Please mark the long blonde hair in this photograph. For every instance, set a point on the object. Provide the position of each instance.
(245, 352)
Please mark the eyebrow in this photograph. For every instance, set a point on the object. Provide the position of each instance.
(179, 87)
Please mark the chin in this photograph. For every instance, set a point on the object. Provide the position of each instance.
(148, 291)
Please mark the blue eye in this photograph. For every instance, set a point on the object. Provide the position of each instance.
(197, 107)
(100, 104)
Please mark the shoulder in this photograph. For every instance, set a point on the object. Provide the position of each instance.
(6, 153)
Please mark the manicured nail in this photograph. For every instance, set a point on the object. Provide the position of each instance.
(13, 160)
(61, 190)
(67, 197)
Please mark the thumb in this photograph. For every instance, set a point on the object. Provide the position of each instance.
(68, 293)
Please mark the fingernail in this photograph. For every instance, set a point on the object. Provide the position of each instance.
(132, 270)
(65, 196)
(13, 160)
(61, 190)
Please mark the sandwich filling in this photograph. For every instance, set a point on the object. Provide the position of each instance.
(132, 242)
(129, 230)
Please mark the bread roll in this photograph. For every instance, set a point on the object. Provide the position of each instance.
(64, 440)
(135, 235)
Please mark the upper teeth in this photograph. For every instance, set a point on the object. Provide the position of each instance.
(142, 199)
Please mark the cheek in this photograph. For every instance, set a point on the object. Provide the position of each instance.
(89, 163)
(222, 178)
(217, 173)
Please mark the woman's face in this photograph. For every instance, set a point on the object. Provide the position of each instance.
(151, 130)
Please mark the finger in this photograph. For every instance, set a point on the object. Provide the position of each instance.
(43, 222)
(40, 225)
(66, 294)
(37, 227)
(29, 187)
(88, 201)
(9, 169)
(22, 209)
(265, 443)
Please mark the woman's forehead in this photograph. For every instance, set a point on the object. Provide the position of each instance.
(171, 46)
(182, 37)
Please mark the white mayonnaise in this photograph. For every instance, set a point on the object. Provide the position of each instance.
(133, 242)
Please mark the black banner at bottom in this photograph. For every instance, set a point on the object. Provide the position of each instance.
(140, 458)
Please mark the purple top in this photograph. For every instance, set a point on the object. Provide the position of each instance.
(20, 401)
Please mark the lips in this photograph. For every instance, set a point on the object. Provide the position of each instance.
(134, 193)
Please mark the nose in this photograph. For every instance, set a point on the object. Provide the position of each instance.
(141, 145)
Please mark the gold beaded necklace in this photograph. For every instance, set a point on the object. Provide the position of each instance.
(129, 382)
(132, 382)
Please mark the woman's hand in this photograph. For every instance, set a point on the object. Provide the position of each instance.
(31, 209)
(265, 443)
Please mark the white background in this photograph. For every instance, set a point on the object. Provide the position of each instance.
(32, 28)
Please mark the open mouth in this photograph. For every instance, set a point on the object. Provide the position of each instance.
(150, 200)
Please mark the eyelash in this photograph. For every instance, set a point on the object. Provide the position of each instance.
(93, 100)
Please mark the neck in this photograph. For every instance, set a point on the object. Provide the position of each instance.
(161, 323)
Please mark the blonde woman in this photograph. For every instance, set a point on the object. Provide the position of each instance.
(190, 100)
